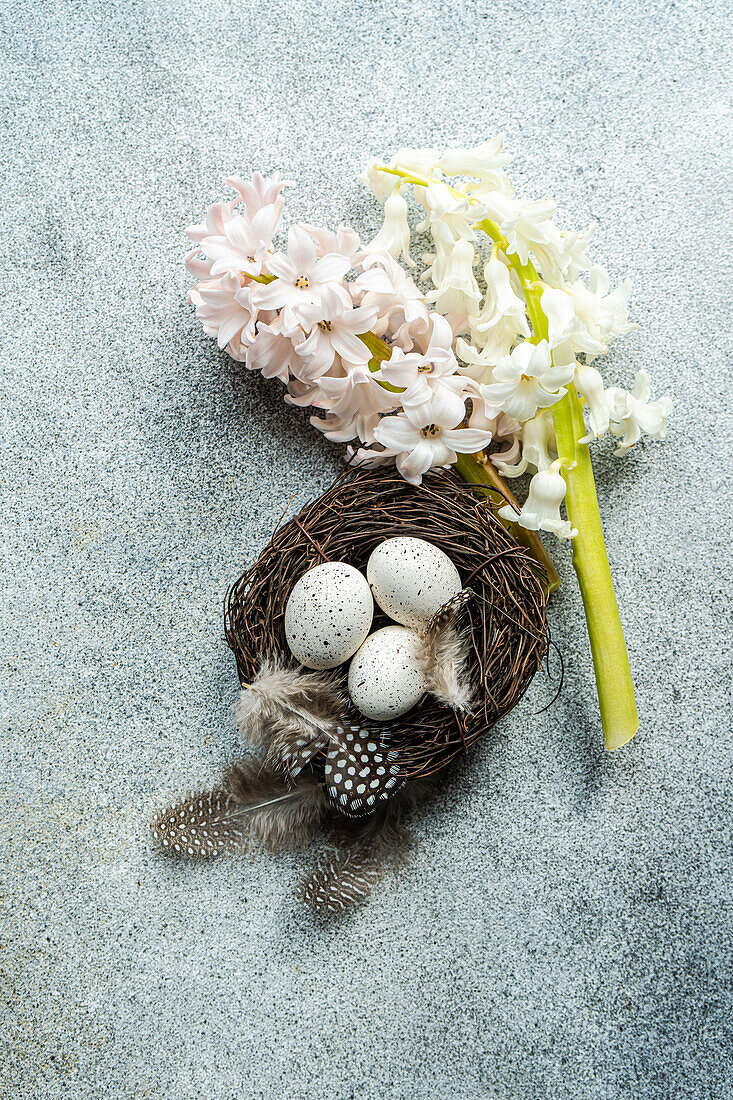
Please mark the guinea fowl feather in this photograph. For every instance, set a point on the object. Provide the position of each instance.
(340, 883)
(252, 805)
(284, 816)
(200, 825)
(366, 849)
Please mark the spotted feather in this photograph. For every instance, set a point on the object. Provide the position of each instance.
(340, 883)
(203, 825)
(251, 804)
(360, 771)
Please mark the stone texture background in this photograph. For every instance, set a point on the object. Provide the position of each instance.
(564, 928)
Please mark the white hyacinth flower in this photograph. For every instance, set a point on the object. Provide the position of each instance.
(355, 405)
(457, 291)
(575, 246)
(601, 316)
(479, 363)
(243, 244)
(432, 439)
(634, 412)
(538, 441)
(533, 441)
(258, 192)
(487, 417)
(419, 162)
(600, 402)
(379, 183)
(526, 225)
(526, 381)
(511, 462)
(303, 394)
(482, 355)
(394, 236)
(391, 290)
(226, 312)
(500, 301)
(447, 217)
(569, 335)
(335, 331)
(301, 276)
(421, 375)
(484, 161)
(344, 242)
(217, 215)
(557, 307)
(541, 511)
(273, 353)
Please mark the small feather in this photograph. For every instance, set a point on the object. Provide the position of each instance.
(251, 804)
(200, 825)
(341, 883)
(284, 816)
(444, 656)
(291, 714)
(367, 847)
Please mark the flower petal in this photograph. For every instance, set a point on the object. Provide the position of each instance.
(332, 305)
(397, 433)
(272, 295)
(280, 266)
(447, 409)
(413, 465)
(329, 269)
(301, 251)
(349, 346)
(442, 335)
(400, 369)
(466, 440)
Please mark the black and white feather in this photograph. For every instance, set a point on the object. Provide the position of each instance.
(289, 715)
(367, 848)
(202, 825)
(340, 883)
(361, 771)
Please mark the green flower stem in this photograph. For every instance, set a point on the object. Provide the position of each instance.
(619, 716)
(616, 699)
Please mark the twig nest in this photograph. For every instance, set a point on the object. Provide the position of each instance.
(411, 580)
(503, 621)
(328, 615)
(386, 678)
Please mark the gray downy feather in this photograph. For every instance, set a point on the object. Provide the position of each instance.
(444, 658)
(289, 714)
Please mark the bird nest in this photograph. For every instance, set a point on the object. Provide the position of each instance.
(504, 615)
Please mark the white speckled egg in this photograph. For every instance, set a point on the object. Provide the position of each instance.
(328, 615)
(385, 679)
(411, 579)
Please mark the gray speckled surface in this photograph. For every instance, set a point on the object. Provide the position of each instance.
(564, 928)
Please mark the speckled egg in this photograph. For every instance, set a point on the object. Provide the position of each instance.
(328, 615)
(411, 579)
(385, 679)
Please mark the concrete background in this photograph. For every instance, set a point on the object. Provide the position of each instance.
(564, 928)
